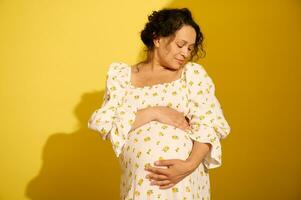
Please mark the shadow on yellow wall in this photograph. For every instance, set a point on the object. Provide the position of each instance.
(77, 165)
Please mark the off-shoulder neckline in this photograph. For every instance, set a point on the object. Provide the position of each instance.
(158, 84)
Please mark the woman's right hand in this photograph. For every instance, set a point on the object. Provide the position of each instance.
(171, 116)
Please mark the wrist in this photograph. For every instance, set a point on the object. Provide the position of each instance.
(191, 164)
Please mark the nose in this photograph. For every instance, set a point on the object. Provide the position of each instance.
(185, 52)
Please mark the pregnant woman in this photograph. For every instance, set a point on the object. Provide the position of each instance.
(161, 114)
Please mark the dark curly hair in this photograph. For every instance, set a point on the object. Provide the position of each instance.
(166, 22)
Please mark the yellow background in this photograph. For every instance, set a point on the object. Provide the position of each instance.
(54, 56)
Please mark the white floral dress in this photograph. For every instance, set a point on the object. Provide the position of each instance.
(194, 95)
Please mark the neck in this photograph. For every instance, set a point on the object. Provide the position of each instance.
(154, 65)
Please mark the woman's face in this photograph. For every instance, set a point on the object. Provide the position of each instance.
(173, 52)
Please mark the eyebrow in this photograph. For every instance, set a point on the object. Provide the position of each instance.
(186, 41)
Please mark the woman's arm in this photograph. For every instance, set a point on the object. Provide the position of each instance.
(198, 153)
(143, 116)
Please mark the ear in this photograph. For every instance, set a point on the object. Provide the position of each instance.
(156, 42)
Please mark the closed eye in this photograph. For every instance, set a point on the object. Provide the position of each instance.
(190, 49)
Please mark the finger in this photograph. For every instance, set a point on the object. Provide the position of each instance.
(158, 170)
(157, 177)
(188, 127)
(184, 122)
(167, 186)
(179, 124)
(166, 162)
(161, 183)
(184, 126)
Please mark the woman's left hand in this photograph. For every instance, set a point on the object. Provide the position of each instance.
(176, 171)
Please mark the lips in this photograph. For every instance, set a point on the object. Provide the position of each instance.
(180, 61)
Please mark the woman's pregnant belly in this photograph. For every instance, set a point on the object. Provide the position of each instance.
(155, 141)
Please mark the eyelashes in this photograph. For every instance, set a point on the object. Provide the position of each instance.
(183, 46)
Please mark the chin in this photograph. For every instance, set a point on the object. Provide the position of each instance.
(179, 64)
(175, 65)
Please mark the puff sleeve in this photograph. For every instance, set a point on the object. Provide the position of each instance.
(113, 120)
(205, 113)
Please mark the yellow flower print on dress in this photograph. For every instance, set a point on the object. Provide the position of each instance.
(161, 133)
(147, 165)
(131, 122)
(146, 139)
(164, 127)
(175, 189)
(155, 94)
(175, 137)
(113, 88)
(148, 151)
(165, 148)
(136, 166)
(140, 181)
(139, 154)
(161, 158)
(103, 131)
(139, 132)
(116, 144)
(149, 192)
